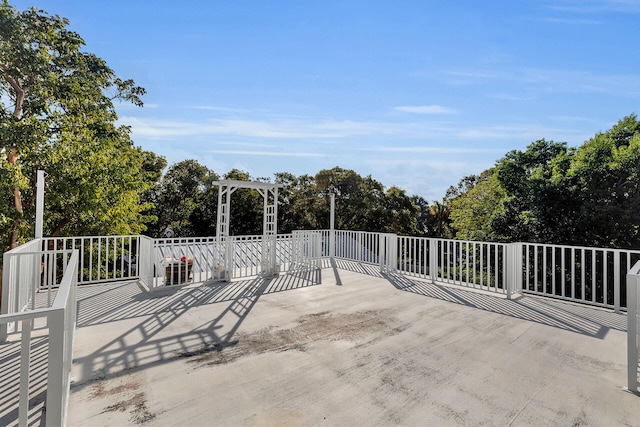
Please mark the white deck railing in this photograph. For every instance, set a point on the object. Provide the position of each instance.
(60, 319)
(29, 271)
(594, 276)
(210, 259)
(102, 258)
(633, 326)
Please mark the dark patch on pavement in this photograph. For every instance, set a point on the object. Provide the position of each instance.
(324, 326)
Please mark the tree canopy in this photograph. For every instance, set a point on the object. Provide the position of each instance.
(551, 193)
(57, 113)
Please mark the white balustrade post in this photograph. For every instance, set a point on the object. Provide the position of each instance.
(39, 204)
(332, 227)
(518, 267)
(616, 281)
(4, 302)
(511, 266)
(229, 261)
(384, 243)
(632, 329)
(433, 259)
(55, 403)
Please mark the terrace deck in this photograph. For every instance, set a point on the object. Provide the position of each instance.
(358, 349)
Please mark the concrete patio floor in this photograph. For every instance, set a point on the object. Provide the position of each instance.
(358, 349)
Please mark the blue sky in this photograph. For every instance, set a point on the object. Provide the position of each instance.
(417, 94)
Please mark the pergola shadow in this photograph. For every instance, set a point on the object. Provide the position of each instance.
(152, 341)
(586, 320)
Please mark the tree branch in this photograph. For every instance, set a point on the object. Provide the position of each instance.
(20, 93)
(60, 226)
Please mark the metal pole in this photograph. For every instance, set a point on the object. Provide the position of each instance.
(39, 204)
(632, 331)
(332, 223)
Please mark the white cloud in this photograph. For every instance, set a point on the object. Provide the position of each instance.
(279, 128)
(432, 150)
(425, 109)
(266, 153)
(596, 6)
(572, 21)
(524, 132)
(552, 80)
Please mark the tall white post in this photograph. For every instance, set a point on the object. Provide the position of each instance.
(632, 327)
(39, 204)
(332, 224)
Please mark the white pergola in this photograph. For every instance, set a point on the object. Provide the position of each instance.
(269, 192)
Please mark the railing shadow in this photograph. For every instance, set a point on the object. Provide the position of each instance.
(152, 341)
(10, 381)
(590, 321)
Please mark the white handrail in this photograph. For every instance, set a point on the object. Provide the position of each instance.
(633, 326)
(60, 319)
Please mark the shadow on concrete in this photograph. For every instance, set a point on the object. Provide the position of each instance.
(592, 321)
(152, 340)
(357, 267)
(336, 273)
(10, 381)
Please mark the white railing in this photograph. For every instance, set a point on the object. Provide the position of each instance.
(60, 319)
(29, 272)
(199, 254)
(594, 276)
(306, 250)
(633, 326)
(360, 246)
(102, 258)
(21, 270)
(589, 275)
(236, 257)
(479, 265)
(285, 253)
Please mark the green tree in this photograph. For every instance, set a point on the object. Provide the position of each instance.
(440, 221)
(247, 207)
(475, 205)
(57, 112)
(537, 206)
(401, 212)
(185, 201)
(605, 177)
(302, 206)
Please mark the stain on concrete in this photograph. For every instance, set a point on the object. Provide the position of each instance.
(277, 417)
(361, 328)
(131, 400)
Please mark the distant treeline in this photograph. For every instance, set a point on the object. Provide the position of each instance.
(548, 193)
